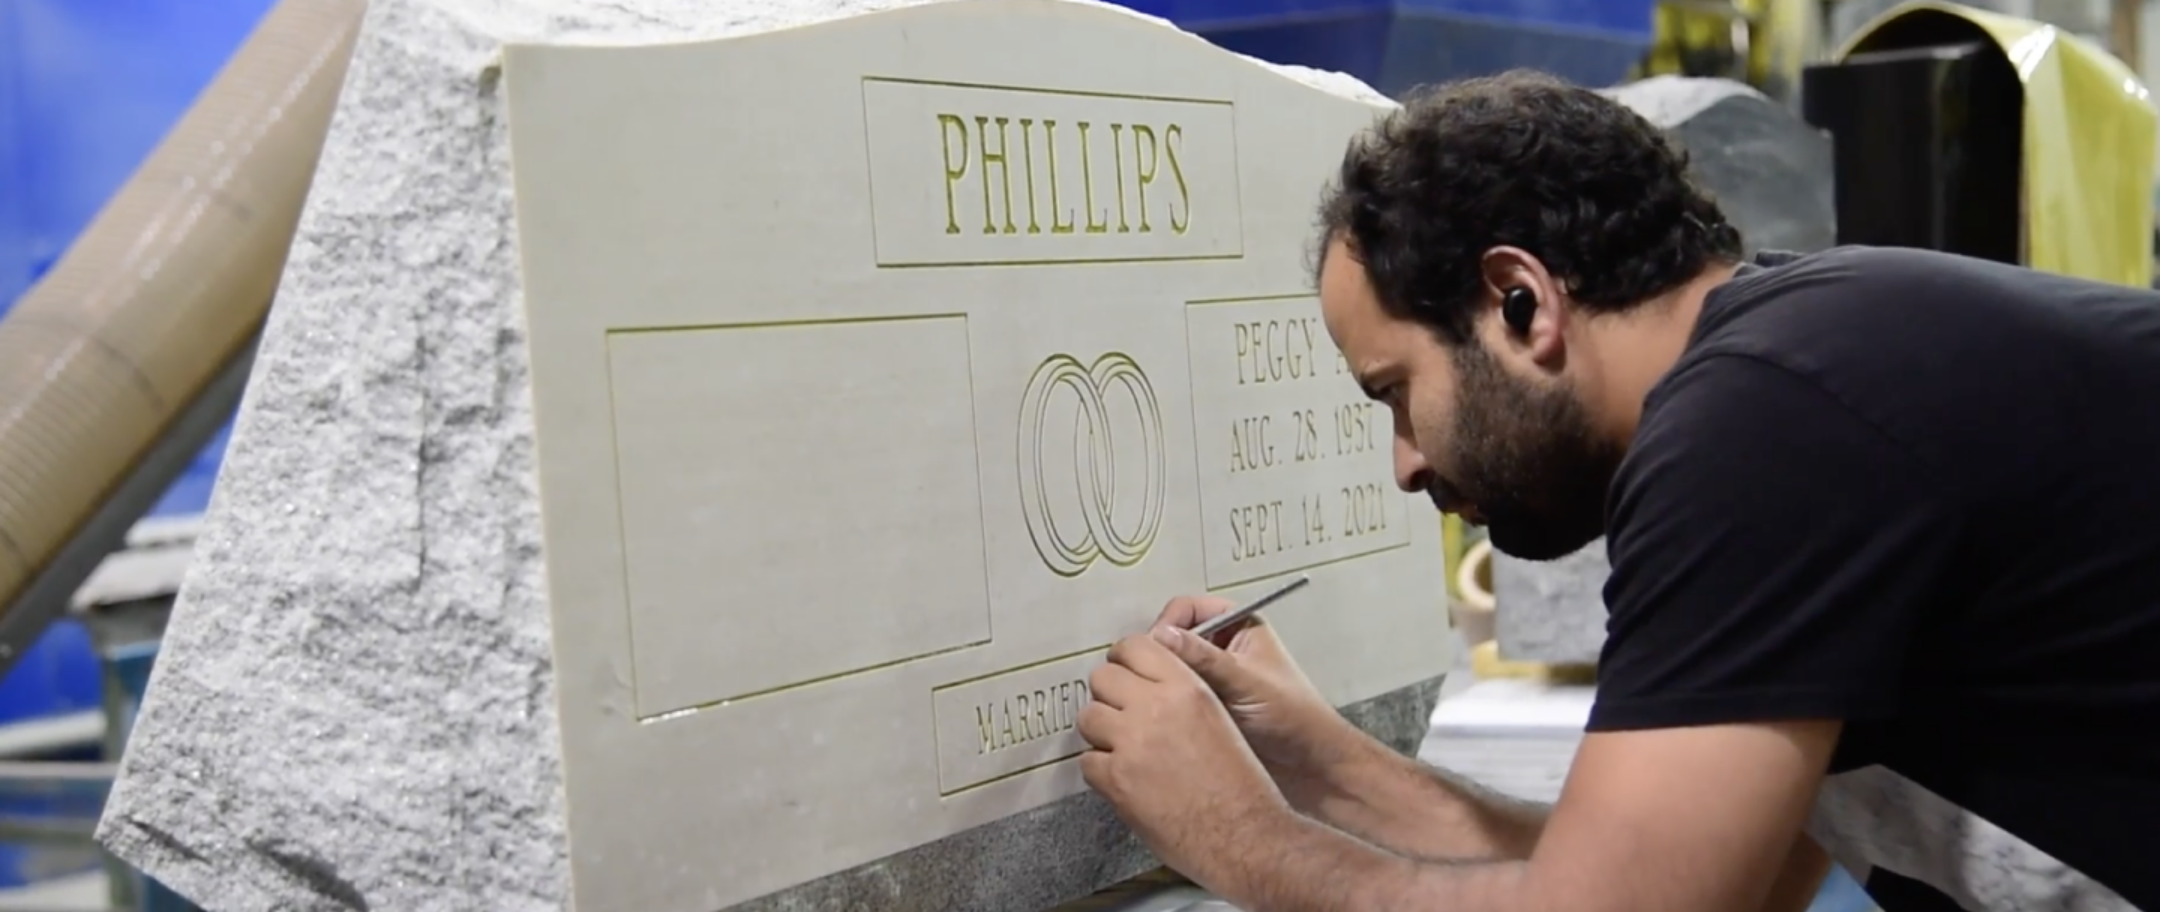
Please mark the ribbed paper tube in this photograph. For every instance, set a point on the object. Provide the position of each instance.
(171, 280)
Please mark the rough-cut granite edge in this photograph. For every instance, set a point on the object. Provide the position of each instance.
(353, 706)
(1551, 611)
(1054, 854)
(1669, 100)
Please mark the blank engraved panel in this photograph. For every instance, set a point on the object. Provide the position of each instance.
(1295, 462)
(755, 463)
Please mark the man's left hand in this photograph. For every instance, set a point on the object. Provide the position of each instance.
(1168, 757)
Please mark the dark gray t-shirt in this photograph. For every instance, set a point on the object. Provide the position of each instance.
(1919, 493)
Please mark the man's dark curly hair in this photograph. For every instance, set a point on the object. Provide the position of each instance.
(1598, 194)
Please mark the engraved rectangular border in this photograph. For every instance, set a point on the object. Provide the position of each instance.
(622, 532)
(1236, 173)
(936, 733)
(1233, 581)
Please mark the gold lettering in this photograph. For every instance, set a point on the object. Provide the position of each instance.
(1173, 136)
(1143, 167)
(998, 158)
(1117, 158)
(1050, 143)
(1087, 185)
(1029, 715)
(1244, 345)
(1249, 446)
(1271, 351)
(1256, 530)
(1027, 153)
(954, 170)
(1308, 435)
(988, 148)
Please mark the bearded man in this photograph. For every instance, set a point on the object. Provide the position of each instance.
(1866, 509)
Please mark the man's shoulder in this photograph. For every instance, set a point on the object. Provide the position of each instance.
(1911, 341)
(1800, 309)
(1879, 303)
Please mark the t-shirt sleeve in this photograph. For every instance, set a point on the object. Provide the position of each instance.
(1773, 554)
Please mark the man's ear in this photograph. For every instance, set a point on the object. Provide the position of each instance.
(1526, 304)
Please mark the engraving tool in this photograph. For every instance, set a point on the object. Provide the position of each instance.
(1229, 618)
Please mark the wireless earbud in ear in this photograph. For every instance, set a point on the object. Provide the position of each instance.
(1517, 307)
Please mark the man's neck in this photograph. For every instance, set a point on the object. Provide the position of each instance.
(1643, 344)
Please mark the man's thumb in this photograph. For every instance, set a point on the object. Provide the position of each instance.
(1215, 665)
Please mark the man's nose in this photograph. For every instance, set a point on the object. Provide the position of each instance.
(1412, 474)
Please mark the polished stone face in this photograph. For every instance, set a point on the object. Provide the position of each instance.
(872, 411)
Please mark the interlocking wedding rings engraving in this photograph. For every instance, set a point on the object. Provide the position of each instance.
(1070, 543)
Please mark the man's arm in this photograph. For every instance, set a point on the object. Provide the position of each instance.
(1701, 818)
(1326, 768)
(1368, 790)
(1806, 867)
(1428, 814)
(1773, 552)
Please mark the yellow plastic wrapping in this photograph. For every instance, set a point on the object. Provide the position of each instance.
(2088, 148)
(1762, 42)
(168, 283)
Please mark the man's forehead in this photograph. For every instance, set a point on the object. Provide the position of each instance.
(1347, 302)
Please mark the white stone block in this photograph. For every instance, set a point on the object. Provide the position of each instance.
(690, 474)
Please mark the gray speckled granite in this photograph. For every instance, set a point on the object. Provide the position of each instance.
(1049, 856)
(1770, 171)
(1874, 818)
(1551, 611)
(353, 708)
(1771, 174)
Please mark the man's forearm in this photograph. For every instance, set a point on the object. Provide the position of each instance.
(1360, 786)
(1293, 864)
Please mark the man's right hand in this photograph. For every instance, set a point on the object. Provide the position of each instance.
(1290, 726)
(1326, 767)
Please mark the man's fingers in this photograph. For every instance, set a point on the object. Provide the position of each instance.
(1095, 770)
(1242, 637)
(1114, 684)
(1188, 611)
(1211, 662)
(1148, 658)
(1097, 725)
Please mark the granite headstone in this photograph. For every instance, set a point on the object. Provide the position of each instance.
(698, 452)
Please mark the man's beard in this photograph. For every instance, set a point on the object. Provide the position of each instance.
(1529, 460)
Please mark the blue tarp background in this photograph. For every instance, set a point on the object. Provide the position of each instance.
(87, 88)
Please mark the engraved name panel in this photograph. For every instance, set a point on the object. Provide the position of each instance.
(1295, 462)
(1011, 722)
(968, 175)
